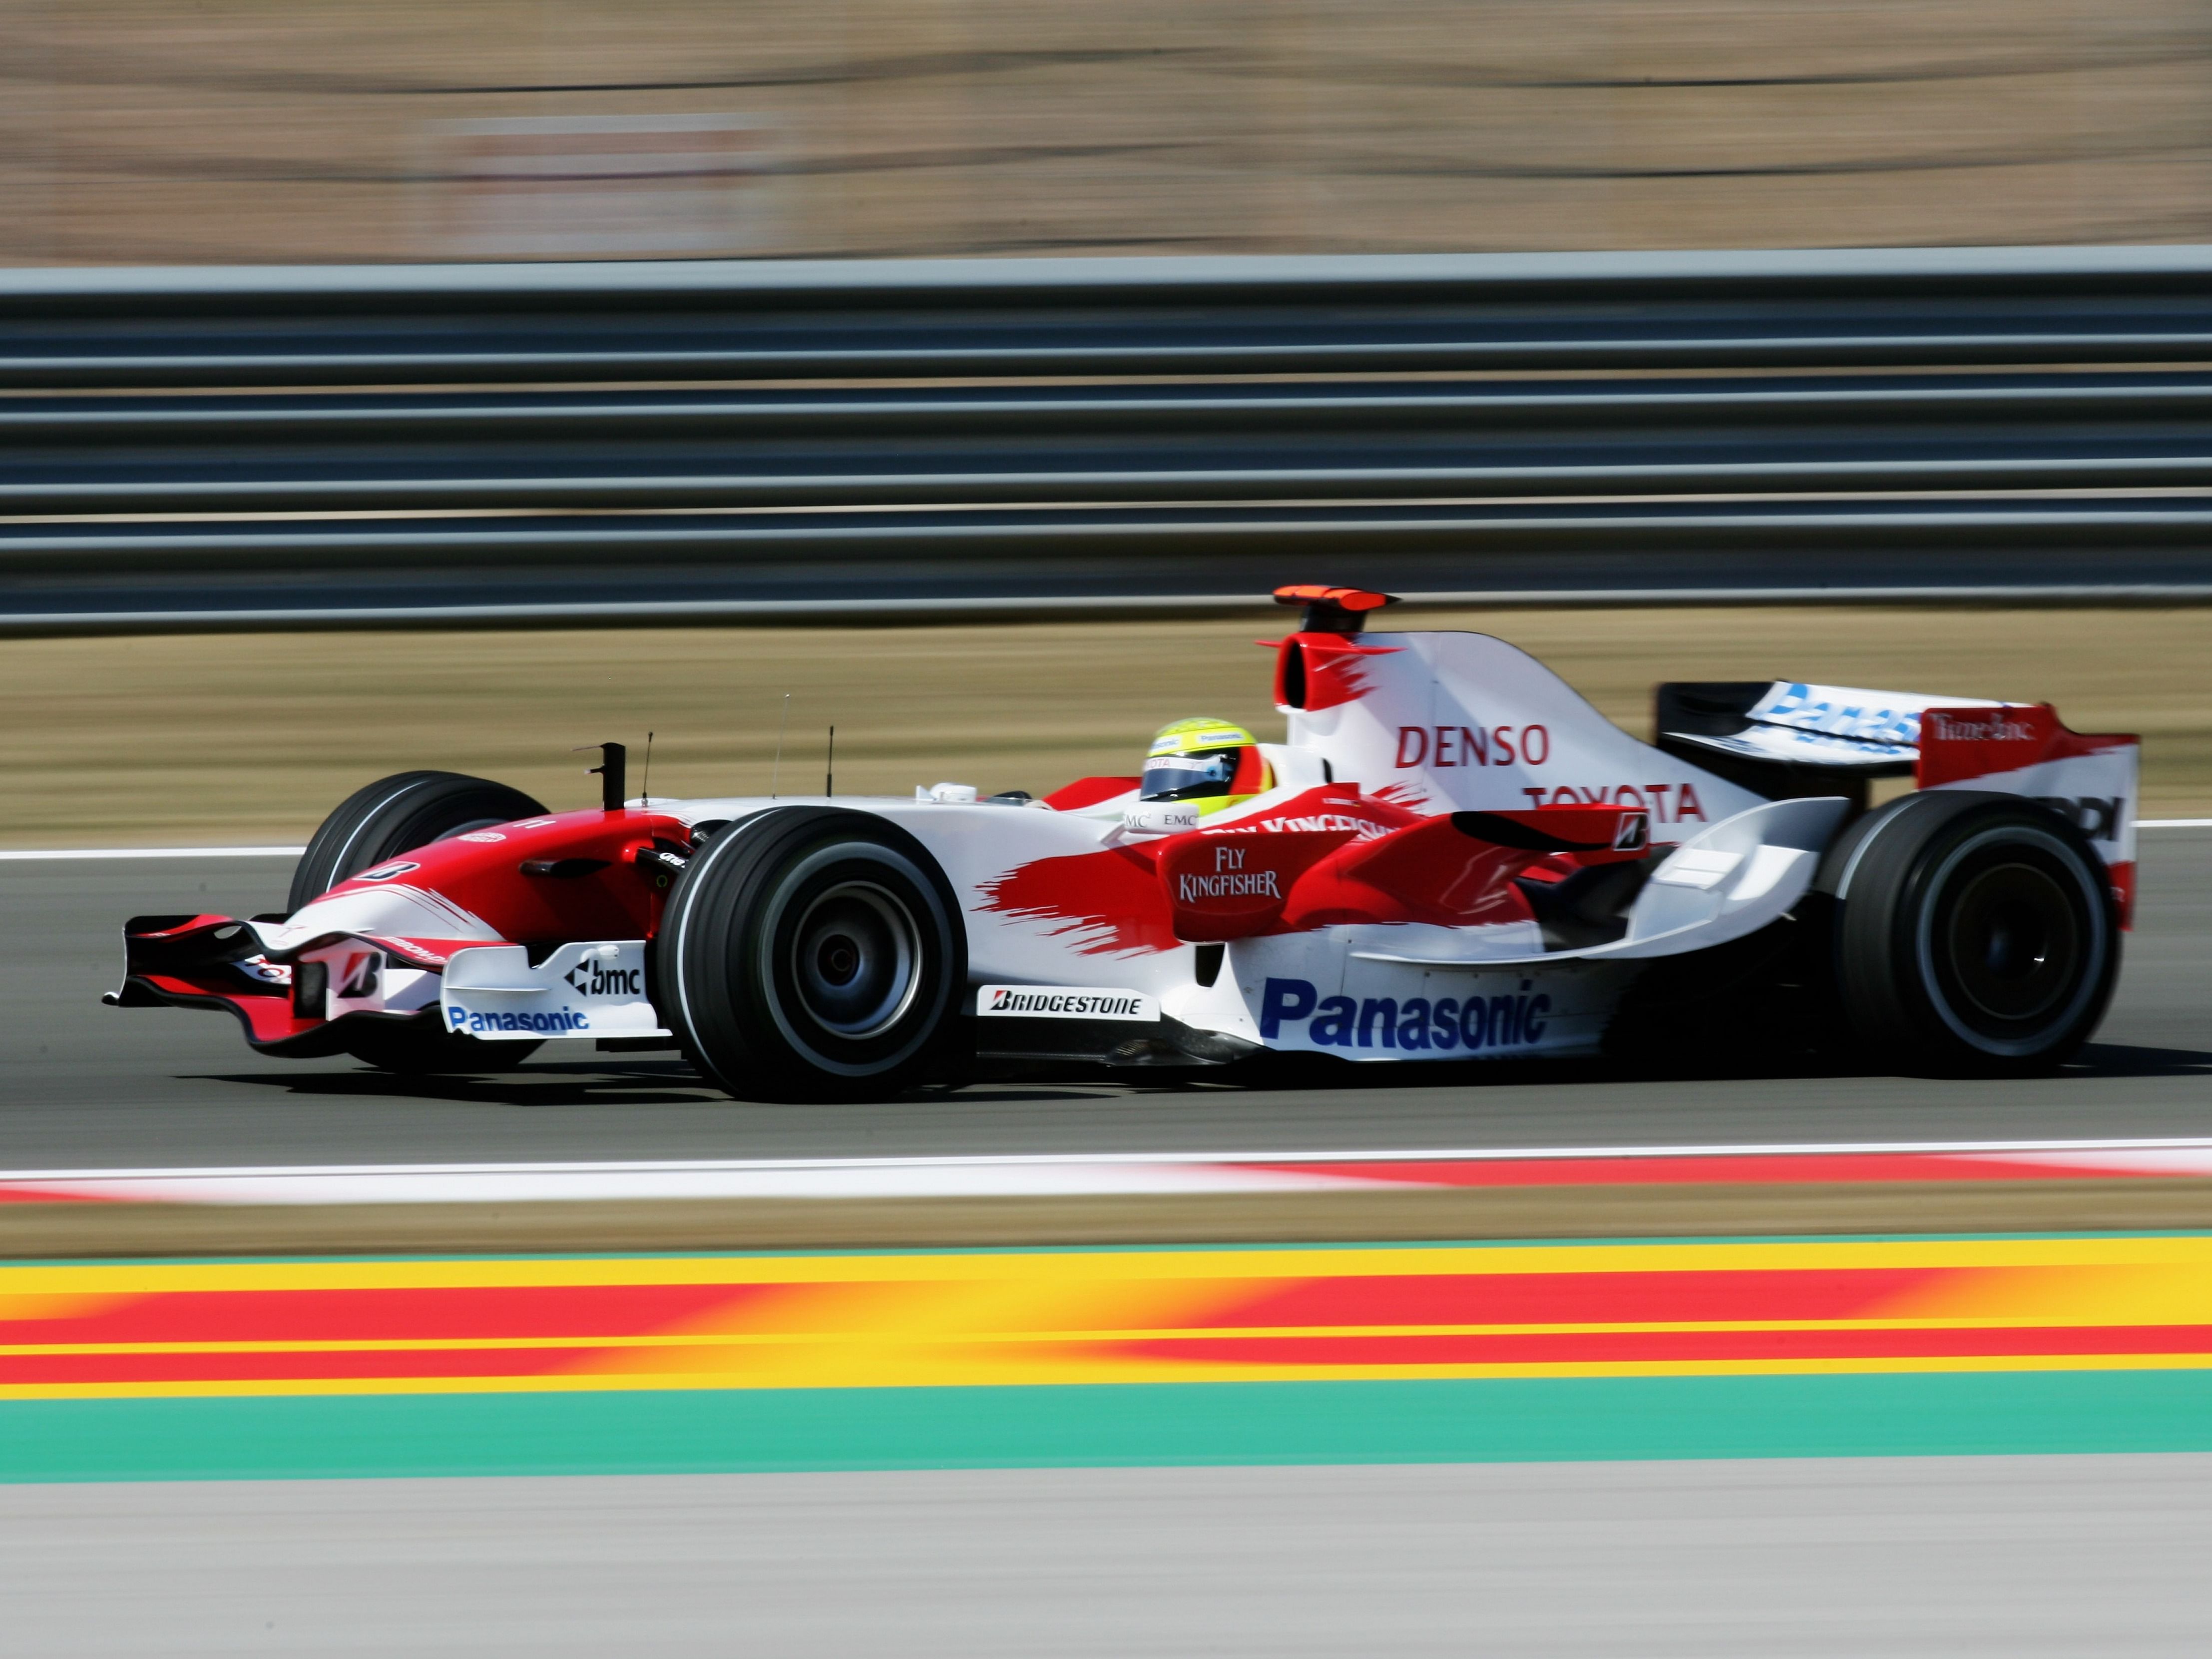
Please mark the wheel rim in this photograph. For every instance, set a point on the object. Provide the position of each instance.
(855, 960)
(2013, 942)
(856, 1019)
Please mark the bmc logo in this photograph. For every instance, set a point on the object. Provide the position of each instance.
(589, 979)
(1471, 745)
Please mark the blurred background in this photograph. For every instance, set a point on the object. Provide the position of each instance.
(1984, 473)
(261, 131)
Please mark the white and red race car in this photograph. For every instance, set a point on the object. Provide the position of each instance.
(1454, 857)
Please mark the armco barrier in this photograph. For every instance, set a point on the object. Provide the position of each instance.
(733, 442)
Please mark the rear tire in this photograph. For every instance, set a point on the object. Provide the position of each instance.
(375, 824)
(811, 953)
(1974, 933)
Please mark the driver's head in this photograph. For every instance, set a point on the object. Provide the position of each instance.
(1208, 762)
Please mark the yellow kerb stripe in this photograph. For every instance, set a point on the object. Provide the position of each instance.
(1100, 1268)
(954, 1375)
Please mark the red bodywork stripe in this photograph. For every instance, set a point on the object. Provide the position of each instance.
(1088, 792)
(268, 1017)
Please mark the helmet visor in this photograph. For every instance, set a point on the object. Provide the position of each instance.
(1189, 777)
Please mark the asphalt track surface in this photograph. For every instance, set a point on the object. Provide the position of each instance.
(2012, 1556)
(82, 1085)
(2053, 1555)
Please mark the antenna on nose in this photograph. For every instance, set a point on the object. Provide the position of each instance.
(776, 776)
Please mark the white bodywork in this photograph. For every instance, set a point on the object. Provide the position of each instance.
(1424, 723)
(1466, 721)
(1445, 721)
(595, 989)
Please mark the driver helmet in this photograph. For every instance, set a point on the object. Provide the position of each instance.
(1211, 764)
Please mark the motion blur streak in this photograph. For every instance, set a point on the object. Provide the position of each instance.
(413, 1365)
(589, 443)
(382, 130)
(84, 1089)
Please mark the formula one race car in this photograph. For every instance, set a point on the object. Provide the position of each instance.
(1452, 856)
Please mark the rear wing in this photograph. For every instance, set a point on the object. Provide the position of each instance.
(1867, 734)
(1786, 738)
(2087, 778)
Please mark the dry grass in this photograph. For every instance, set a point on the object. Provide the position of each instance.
(150, 130)
(252, 738)
(1691, 1210)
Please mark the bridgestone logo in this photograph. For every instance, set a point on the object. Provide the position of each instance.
(1252, 883)
(1064, 1002)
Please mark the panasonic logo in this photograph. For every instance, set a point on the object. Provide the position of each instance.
(558, 1023)
(1064, 1002)
(1474, 1025)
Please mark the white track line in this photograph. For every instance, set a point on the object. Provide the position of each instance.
(1019, 1175)
(155, 853)
(1005, 1160)
(1356, 1155)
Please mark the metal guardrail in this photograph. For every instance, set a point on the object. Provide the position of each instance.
(771, 440)
(279, 368)
(911, 611)
(1748, 481)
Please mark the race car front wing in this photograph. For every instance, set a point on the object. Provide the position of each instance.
(299, 1001)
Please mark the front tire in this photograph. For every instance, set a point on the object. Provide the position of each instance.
(1975, 934)
(395, 815)
(375, 824)
(812, 954)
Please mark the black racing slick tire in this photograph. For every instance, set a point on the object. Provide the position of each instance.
(373, 826)
(811, 953)
(393, 814)
(1973, 934)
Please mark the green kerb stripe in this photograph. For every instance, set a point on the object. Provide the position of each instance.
(1404, 1422)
